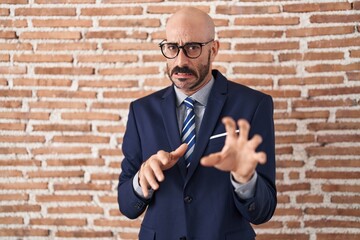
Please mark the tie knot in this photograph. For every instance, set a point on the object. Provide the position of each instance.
(189, 103)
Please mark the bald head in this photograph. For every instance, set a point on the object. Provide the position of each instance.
(190, 24)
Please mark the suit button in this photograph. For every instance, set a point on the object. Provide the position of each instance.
(188, 199)
(251, 207)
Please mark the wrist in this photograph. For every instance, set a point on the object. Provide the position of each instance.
(241, 179)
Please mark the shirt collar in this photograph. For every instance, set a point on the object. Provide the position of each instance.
(200, 96)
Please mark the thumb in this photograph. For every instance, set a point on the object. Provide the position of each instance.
(179, 152)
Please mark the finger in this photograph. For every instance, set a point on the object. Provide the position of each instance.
(211, 160)
(260, 157)
(179, 152)
(244, 129)
(144, 186)
(255, 141)
(157, 170)
(150, 178)
(230, 126)
(163, 157)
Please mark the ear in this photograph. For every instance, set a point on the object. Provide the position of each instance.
(215, 49)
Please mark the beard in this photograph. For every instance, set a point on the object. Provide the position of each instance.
(203, 71)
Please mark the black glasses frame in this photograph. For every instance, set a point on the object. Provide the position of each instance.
(201, 44)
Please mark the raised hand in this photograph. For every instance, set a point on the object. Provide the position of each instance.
(238, 155)
(151, 171)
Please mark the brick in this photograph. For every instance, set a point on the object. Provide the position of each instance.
(42, 82)
(58, 221)
(328, 223)
(81, 187)
(28, 232)
(61, 23)
(42, 58)
(8, 35)
(84, 234)
(339, 18)
(273, 70)
(45, 11)
(64, 1)
(288, 212)
(91, 116)
(66, 94)
(356, 5)
(337, 163)
(111, 11)
(353, 76)
(81, 139)
(143, 46)
(332, 175)
(306, 32)
(322, 103)
(276, 21)
(333, 91)
(290, 164)
(115, 35)
(332, 126)
(337, 236)
(76, 162)
(24, 115)
(334, 43)
(108, 84)
(19, 208)
(77, 46)
(250, 34)
(76, 209)
(61, 150)
(10, 104)
(310, 56)
(11, 220)
(64, 70)
(4, 58)
(298, 138)
(15, 162)
(309, 198)
(245, 58)
(55, 174)
(328, 150)
(333, 67)
(267, 46)
(293, 187)
(63, 198)
(316, 7)
(283, 236)
(345, 199)
(59, 104)
(110, 152)
(63, 35)
(156, 9)
(110, 105)
(115, 223)
(104, 176)
(347, 113)
(129, 71)
(13, 70)
(126, 94)
(13, 23)
(14, 197)
(24, 185)
(241, 10)
(332, 138)
(355, 54)
(16, 46)
(340, 188)
(107, 58)
(332, 211)
(311, 80)
(283, 93)
(108, 199)
(148, 22)
(10, 173)
(61, 127)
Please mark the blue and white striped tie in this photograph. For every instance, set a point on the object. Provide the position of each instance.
(188, 129)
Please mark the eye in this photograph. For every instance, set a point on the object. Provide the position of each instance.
(171, 47)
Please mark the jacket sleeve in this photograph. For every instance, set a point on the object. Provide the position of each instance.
(261, 206)
(130, 204)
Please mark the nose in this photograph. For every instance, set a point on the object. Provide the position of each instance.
(181, 59)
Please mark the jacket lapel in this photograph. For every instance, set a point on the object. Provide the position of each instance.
(211, 116)
(168, 110)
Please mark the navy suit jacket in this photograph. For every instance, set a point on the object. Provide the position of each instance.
(198, 203)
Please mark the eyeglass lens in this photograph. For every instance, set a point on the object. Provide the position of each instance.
(191, 50)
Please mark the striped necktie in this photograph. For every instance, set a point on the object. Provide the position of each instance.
(188, 129)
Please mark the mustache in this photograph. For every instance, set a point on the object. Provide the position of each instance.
(178, 69)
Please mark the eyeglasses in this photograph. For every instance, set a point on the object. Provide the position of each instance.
(191, 49)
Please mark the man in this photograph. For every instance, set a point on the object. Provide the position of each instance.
(193, 181)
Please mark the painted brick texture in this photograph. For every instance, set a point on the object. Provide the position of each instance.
(70, 68)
